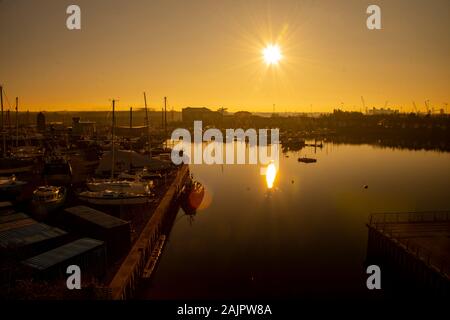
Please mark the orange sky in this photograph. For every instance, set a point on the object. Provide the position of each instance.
(208, 53)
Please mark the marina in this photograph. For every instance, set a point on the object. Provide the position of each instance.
(225, 158)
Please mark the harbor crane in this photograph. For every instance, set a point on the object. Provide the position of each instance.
(427, 105)
(364, 104)
(415, 107)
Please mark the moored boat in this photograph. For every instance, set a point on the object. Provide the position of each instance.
(136, 187)
(110, 197)
(47, 199)
(307, 160)
(57, 170)
(11, 165)
(10, 183)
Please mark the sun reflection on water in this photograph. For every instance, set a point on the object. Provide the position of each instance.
(271, 174)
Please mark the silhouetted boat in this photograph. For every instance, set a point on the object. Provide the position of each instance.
(11, 165)
(307, 160)
(57, 170)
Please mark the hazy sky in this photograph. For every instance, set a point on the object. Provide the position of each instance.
(208, 53)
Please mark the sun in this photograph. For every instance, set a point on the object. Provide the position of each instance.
(272, 54)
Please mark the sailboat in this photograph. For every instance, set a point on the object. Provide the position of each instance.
(137, 187)
(116, 191)
(10, 164)
(110, 197)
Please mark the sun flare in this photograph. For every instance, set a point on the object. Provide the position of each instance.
(272, 54)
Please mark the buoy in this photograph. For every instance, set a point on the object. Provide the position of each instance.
(366, 186)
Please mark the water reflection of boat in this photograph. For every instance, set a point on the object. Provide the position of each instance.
(307, 160)
(47, 199)
(110, 197)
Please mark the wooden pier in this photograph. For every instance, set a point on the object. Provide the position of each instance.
(414, 244)
(125, 282)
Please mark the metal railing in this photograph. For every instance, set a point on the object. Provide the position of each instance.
(409, 217)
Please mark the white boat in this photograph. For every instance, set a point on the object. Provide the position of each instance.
(10, 186)
(27, 152)
(47, 199)
(142, 175)
(126, 186)
(10, 183)
(110, 197)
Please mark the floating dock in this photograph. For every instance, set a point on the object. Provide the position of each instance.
(125, 282)
(416, 245)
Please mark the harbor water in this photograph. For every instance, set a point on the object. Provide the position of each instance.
(304, 237)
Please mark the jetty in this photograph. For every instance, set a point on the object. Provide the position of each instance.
(135, 265)
(415, 245)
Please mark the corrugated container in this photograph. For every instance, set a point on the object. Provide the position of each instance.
(16, 224)
(6, 207)
(88, 254)
(96, 224)
(14, 216)
(5, 204)
(30, 239)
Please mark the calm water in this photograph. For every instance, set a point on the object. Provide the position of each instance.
(304, 237)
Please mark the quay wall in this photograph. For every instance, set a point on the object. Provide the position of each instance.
(125, 282)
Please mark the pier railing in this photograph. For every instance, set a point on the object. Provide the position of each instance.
(382, 222)
(408, 217)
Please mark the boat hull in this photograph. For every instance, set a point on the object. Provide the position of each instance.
(22, 169)
(115, 201)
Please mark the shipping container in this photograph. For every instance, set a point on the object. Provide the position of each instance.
(88, 254)
(31, 239)
(6, 207)
(13, 216)
(19, 223)
(98, 225)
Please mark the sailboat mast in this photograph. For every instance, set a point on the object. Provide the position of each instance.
(147, 123)
(2, 121)
(17, 121)
(165, 117)
(131, 129)
(112, 138)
